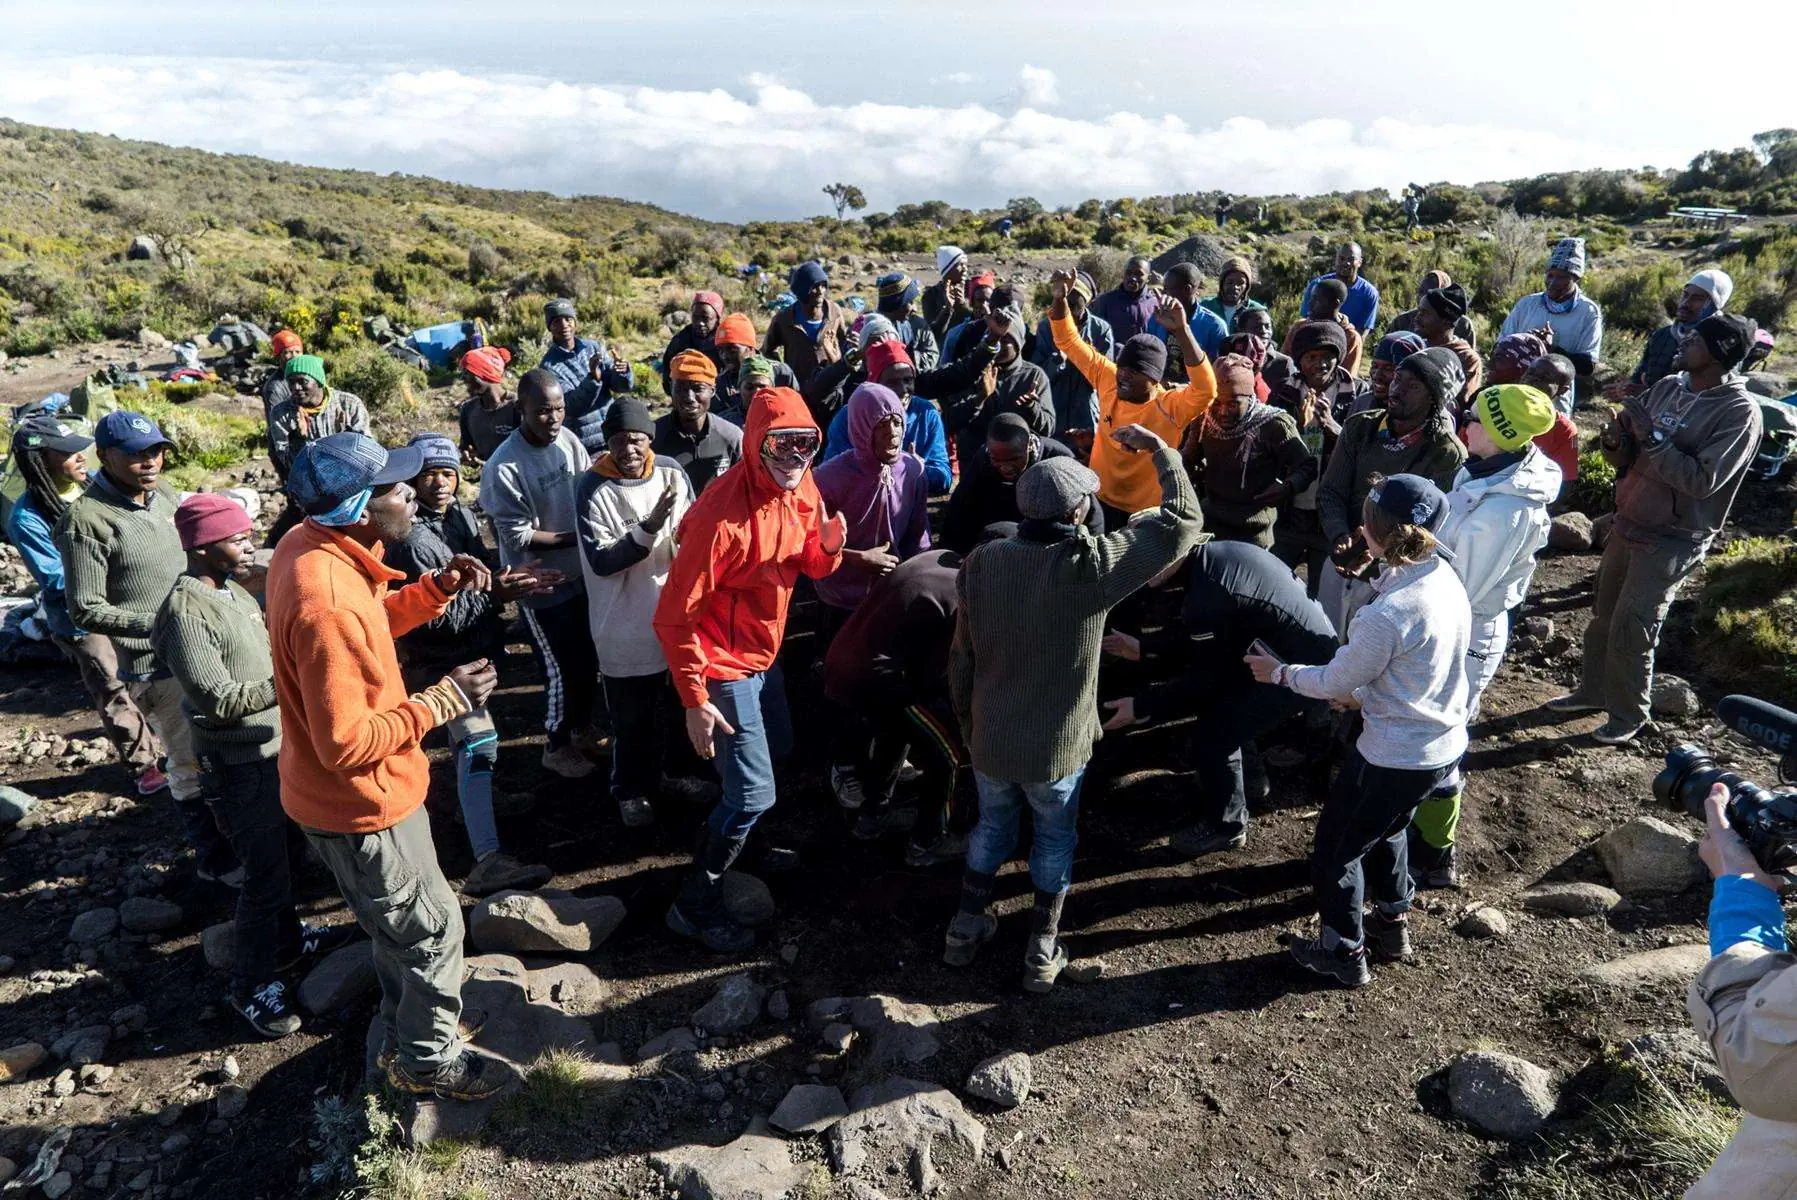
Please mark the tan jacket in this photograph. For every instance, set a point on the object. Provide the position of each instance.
(1744, 1003)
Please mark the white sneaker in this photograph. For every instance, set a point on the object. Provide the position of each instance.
(847, 788)
(568, 762)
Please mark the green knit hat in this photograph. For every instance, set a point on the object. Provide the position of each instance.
(306, 364)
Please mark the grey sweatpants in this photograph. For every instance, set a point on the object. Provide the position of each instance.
(1635, 586)
(393, 884)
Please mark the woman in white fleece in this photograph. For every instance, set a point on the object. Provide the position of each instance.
(626, 509)
(1404, 667)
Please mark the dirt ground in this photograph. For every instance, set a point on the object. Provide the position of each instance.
(1204, 1063)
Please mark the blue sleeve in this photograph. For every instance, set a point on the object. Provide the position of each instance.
(1744, 911)
(1208, 331)
(950, 343)
(1304, 304)
(931, 445)
(31, 534)
(1372, 316)
(837, 440)
(1158, 330)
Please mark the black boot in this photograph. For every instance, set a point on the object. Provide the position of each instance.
(698, 912)
(1043, 959)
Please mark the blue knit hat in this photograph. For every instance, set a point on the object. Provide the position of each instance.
(438, 451)
(806, 276)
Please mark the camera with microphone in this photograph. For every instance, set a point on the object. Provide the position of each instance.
(1766, 820)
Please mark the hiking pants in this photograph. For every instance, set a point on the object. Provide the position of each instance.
(1635, 586)
(1361, 833)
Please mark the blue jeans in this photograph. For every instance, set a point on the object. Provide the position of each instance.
(756, 708)
(1055, 807)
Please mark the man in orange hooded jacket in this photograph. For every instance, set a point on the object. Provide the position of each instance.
(721, 617)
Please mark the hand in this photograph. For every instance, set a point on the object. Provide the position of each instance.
(525, 579)
(1029, 399)
(1634, 418)
(1122, 714)
(1059, 284)
(1123, 646)
(702, 724)
(997, 327)
(1274, 493)
(599, 364)
(477, 681)
(1546, 334)
(878, 559)
(1343, 545)
(988, 381)
(1138, 438)
(1351, 704)
(832, 534)
(1722, 849)
(658, 516)
(465, 573)
(1170, 313)
(1262, 666)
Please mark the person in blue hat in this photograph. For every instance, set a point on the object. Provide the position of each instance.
(812, 332)
(1404, 668)
(898, 293)
(121, 556)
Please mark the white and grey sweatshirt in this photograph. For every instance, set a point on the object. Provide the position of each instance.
(625, 565)
(1405, 661)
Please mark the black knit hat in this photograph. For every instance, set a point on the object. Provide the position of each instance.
(1145, 353)
(1448, 302)
(627, 415)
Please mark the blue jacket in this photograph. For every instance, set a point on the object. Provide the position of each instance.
(925, 436)
(1361, 307)
(28, 530)
(1208, 330)
(587, 398)
(1075, 401)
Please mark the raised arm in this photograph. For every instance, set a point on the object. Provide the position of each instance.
(1099, 371)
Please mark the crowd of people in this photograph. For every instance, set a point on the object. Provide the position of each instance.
(979, 518)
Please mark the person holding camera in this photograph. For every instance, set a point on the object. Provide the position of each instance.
(1404, 667)
(1744, 1003)
(1681, 450)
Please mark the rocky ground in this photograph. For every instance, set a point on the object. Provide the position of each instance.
(840, 1058)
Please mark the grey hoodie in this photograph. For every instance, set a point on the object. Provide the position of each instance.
(1678, 492)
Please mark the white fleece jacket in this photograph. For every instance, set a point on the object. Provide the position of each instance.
(1494, 528)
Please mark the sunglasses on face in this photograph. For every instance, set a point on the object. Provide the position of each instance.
(791, 447)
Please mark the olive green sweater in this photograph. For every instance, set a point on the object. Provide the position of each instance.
(120, 559)
(217, 648)
(1023, 668)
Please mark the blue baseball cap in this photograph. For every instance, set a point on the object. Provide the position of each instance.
(1412, 500)
(128, 431)
(331, 470)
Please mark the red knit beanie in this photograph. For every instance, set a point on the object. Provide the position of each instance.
(207, 517)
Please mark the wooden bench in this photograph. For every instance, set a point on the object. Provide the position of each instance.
(1711, 218)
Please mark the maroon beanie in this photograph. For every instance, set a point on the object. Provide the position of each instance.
(207, 517)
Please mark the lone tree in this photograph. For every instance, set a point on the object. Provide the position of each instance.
(845, 196)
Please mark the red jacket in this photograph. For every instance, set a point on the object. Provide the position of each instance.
(738, 553)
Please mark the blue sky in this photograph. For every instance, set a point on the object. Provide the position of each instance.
(748, 109)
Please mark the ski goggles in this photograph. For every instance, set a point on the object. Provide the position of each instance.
(790, 447)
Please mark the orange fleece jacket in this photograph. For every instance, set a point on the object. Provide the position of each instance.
(350, 759)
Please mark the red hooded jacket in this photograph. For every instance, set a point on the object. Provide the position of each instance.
(737, 554)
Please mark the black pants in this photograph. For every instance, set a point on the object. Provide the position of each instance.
(1360, 842)
(1237, 718)
(644, 726)
(1299, 541)
(245, 799)
(564, 643)
(882, 733)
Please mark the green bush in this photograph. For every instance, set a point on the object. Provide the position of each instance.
(1747, 617)
(388, 386)
(1594, 492)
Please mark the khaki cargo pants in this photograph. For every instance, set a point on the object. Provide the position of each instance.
(393, 884)
(1635, 587)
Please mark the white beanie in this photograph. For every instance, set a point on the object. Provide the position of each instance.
(1716, 282)
(947, 257)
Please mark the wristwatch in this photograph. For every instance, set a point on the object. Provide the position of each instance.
(1656, 437)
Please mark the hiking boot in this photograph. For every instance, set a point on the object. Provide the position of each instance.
(966, 934)
(316, 941)
(153, 780)
(690, 788)
(1435, 870)
(1208, 838)
(1615, 732)
(1574, 702)
(498, 871)
(1041, 970)
(847, 787)
(1389, 937)
(1345, 966)
(469, 1076)
(467, 1028)
(267, 1009)
(950, 847)
(636, 812)
(714, 928)
(567, 762)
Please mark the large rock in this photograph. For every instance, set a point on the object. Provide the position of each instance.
(1003, 1079)
(1768, 384)
(893, 1032)
(570, 986)
(1671, 966)
(1673, 697)
(15, 806)
(734, 1007)
(18, 1061)
(94, 925)
(894, 1125)
(1680, 1054)
(810, 1108)
(536, 923)
(747, 899)
(756, 1166)
(344, 976)
(1570, 899)
(143, 248)
(84, 1045)
(1570, 532)
(1501, 1094)
(1483, 921)
(218, 947)
(1647, 857)
(1205, 253)
(147, 914)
